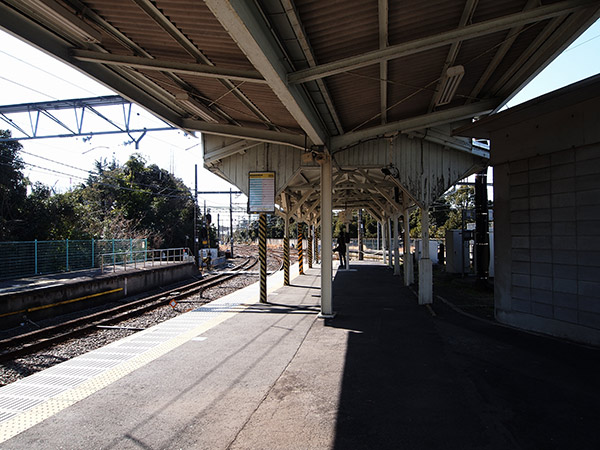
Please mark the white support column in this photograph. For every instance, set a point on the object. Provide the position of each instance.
(407, 257)
(390, 241)
(396, 244)
(425, 267)
(347, 236)
(326, 239)
(384, 238)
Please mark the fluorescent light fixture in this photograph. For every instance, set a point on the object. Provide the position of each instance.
(192, 106)
(449, 85)
(63, 19)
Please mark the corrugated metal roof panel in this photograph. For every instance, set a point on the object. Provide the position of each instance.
(414, 19)
(356, 95)
(340, 29)
(334, 30)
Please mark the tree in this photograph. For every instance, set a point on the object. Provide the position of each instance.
(13, 188)
(136, 199)
(445, 214)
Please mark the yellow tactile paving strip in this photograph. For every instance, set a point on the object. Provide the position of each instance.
(30, 417)
(35, 415)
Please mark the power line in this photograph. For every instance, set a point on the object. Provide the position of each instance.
(46, 72)
(106, 184)
(53, 161)
(27, 87)
(89, 172)
(581, 43)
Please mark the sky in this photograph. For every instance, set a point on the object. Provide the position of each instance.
(29, 75)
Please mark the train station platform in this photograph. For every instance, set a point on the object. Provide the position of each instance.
(44, 296)
(385, 373)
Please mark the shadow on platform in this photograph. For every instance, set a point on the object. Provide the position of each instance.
(412, 380)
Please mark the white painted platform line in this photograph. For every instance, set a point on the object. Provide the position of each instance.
(31, 400)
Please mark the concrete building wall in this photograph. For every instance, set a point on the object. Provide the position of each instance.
(552, 222)
(547, 216)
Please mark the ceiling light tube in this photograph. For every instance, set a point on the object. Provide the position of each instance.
(449, 85)
(57, 14)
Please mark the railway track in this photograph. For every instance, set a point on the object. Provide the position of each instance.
(28, 353)
(24, 344)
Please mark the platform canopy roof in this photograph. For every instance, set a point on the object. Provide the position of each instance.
(315, 74)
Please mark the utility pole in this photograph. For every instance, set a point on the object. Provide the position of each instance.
(482, 242)
(231, 222)
(231, 192)
(195, 246)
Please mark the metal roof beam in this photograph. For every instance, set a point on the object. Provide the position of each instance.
(373, 214)
(466, 17)
(442, 138)
(384, 208)
(383, 9)
(163, 21)
(212, 114)
(384, 194)
(294, 19)
(246, 27)
(54, 105)
(539, 56)
(19, 25)
(512, 35)
(255, 134)
(312, 207)
(299, 203)
(201, 70)
(237, 147)
(417, 122)
(439, 40)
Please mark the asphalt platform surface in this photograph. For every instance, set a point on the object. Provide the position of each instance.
(385, 373)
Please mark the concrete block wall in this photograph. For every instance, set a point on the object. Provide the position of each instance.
(551, 272)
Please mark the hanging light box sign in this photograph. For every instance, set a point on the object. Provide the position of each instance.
(261, 188)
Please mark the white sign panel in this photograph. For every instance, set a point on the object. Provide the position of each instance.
(261, 196)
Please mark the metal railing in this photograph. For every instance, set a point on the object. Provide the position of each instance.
(143, 258)
(28, 258)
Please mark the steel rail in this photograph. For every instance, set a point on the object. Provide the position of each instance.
(28, 343)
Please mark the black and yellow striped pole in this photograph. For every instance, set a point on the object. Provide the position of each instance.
(262, 255)
(300, 255)
(286, 253)
(310, 250)
(316, 244)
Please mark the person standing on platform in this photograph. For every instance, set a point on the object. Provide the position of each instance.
(341, 249)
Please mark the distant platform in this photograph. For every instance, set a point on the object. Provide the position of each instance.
(45, 296)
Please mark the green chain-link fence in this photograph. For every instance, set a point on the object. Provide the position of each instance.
(27, 258)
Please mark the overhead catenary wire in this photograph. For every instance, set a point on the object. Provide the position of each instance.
(144, 191)
(48, 73)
